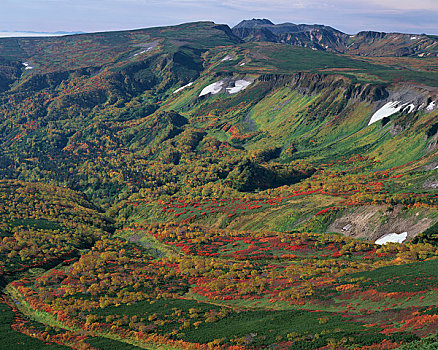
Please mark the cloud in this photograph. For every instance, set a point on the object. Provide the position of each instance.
(417, 5)
(261, 5)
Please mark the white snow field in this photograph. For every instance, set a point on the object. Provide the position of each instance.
(392, 238)
(27, 66)
(239, 85)
(431, 106)
(387, 110)
(182, 88)
(213, 89)
(226, 58)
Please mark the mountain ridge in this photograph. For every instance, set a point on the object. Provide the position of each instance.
(323, 37)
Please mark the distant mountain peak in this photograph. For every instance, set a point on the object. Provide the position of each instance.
(255, 22)
(325, 38)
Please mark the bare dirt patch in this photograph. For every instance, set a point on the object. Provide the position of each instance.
(374, 221)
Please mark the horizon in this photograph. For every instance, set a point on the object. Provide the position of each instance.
(113, 15)
(4, 33)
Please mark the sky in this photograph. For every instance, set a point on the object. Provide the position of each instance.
(350, 16)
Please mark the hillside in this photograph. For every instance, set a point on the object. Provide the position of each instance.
(200, 187)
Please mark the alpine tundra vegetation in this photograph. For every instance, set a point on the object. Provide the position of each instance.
(205, 187)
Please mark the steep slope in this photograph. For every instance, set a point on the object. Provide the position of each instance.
(314, 119)
(78, 125)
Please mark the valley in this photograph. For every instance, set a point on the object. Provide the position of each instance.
(205, 187)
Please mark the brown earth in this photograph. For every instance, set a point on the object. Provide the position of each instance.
(374, 221)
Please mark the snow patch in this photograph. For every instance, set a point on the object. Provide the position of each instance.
(314, 49)
(387, 110)
(182, 88)
(213, 89)
(226, 58)
(392, 238)
(144, 51)
(27, 66)
(431, 106)
(239, 85)
(347, 227)
(414, 38)
(242, 64)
